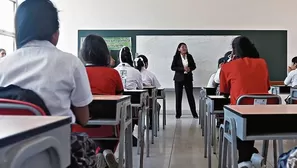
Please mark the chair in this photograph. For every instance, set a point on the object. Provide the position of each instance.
(16, 107)
(250, 99)
(293, 96)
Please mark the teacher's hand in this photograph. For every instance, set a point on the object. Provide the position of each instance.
(187, 69)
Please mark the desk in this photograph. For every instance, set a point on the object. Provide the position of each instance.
(246, 123)
(140, 101)
(280, 89)
(123, 117)
(34, 141)
(162, 95)
(153, 99)
(215, 104)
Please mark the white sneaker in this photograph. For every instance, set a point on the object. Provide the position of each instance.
(257, 160)
(110, 159)
(247, 164)
(101, 161)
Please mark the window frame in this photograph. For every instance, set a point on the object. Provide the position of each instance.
(7, 33)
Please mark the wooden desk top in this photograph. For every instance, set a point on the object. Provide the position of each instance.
(110, 97)
(217, 97)
(135, 91)
(262, 109)
(17, 128)
(149, 87)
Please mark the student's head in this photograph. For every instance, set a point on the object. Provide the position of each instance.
(2, 52)
(36, 20)
(243, 47)
(139, 63)
(94, 51)
(228, 54)
(125, 56)
(181, 49)
(221, 61)
(294, 62)
(145, 60)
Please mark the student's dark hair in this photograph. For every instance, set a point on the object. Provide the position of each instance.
(294, 60)
(95, 51)
(35, 20)
(243, 47)
(227, 54)
(125, 56)
(2, 49)
(145, 60)
(177, 53)
(222, 60)
(139, 63)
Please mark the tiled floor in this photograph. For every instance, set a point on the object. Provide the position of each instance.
(180, 145)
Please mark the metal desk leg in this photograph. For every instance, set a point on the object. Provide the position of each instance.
(203, 118)
(265, 150)
(274, 153)
(140, 128)
(155, 121)
(231, 125)
(158, 117)
(199, 110)
(147, 133)
(123, 135)
(205, 136)
(153, 126)
(128, 139)
(209, 137)
(280, 147)
(221, 137)
(164, 112)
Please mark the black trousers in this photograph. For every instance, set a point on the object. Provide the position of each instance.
(188, 83)
(245, 150)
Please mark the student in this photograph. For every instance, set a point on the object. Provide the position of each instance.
(227, 58)
(103, 81)
(148, 78)
(130, 76)
(246, 74)
(2, 52)
(211, 82)
(59, 78)
(291, 79)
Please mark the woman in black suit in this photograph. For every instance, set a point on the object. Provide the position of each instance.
(183, 64)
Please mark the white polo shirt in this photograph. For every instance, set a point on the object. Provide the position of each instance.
(59, 78)
(149, 79)
(211, 83)
(131, 77)
(291, 79)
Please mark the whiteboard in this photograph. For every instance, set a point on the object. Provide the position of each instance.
(206, 51)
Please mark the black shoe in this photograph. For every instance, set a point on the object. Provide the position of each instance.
(196, 117)
(150, 127)
(177, 117)
(134, 139)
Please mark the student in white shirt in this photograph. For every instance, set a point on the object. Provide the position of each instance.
(131, 77)
(227, 58)
(211, 82)
(291, 79)
(148, 78)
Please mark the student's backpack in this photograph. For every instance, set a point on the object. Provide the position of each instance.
(288, 159)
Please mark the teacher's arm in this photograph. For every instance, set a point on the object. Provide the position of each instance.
(175, 67)
(192, 64)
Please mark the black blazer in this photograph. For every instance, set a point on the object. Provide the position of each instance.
(178, 67)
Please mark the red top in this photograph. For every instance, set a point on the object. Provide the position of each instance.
(104, 81)
(244, 76)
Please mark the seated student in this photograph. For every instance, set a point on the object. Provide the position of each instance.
(148, 78)
(227, 58)
(2, 53)
(131, 78)
(103, 81)
(211, 83)
(246, 74)
(59, 78)
(291, 79)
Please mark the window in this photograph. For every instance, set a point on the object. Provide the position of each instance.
(7, 35)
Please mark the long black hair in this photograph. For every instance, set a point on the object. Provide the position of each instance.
(243, 47)
(139, 62)
(125, 56)
(35, 20)
(145, 60)
(95, 51)
(177, 53)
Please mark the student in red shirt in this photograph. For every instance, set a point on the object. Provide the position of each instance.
(104, 80)
(246, 74)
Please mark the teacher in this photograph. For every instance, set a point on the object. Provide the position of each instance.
(183, 64)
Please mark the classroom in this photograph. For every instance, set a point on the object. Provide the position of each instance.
(148, 84)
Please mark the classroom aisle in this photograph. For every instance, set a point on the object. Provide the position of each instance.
(181, 145)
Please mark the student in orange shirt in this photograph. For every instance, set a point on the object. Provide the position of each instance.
(104, 80)
(246, 74)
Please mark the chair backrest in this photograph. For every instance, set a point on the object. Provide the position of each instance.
(293, 96)
(259, 99)
(16, 107)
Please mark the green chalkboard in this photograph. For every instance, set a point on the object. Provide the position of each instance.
(272, 44)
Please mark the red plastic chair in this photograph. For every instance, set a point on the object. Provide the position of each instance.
(16, 107)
